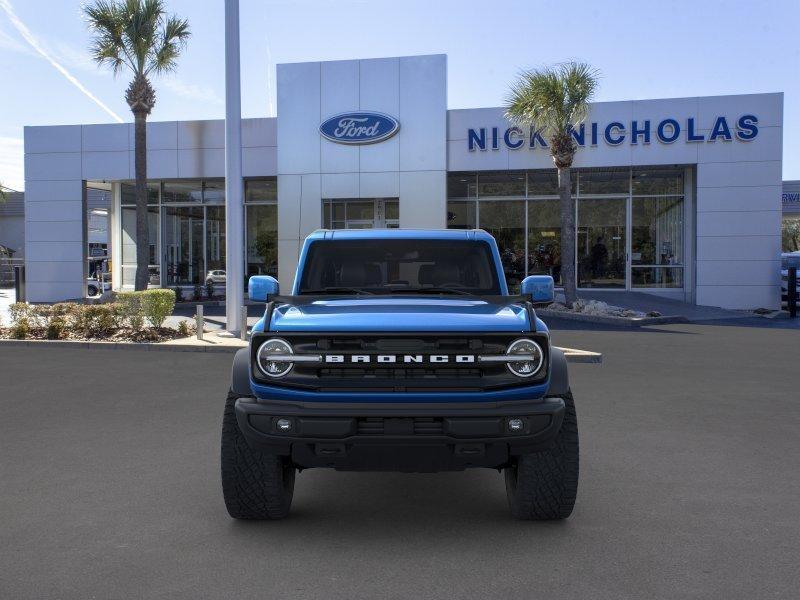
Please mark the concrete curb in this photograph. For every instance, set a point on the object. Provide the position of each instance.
(573, 355)
(140, 346)
(608, 320)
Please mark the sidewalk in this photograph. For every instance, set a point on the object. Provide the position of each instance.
(7, 298)
(666, 306)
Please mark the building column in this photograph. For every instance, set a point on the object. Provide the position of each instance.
(55, 215)
(234, 186)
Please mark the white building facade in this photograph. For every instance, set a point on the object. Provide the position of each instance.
(676, 197)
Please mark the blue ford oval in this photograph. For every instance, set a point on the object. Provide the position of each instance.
(359, 128)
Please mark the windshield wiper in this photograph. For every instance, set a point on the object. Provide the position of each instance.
(436, 290)
(338, 290)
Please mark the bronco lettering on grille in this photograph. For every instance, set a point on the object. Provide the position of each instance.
(399, 358)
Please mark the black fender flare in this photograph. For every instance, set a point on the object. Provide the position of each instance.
(559, 375)
(240, 373)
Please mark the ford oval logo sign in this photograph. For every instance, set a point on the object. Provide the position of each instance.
(359, 128)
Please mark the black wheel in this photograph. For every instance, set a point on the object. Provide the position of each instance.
(255, 485)
(92, 290)
(542, 486)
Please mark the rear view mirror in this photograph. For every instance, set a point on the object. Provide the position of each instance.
(540, 288)
(262, 287)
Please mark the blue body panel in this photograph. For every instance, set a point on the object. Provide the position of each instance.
(401, 313)
(269, 392)
(398, 313)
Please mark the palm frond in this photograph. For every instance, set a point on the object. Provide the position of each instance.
(554, 99)
(136, 34)
(174, 36)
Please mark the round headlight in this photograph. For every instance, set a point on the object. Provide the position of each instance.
(527, 348)
(271, 367)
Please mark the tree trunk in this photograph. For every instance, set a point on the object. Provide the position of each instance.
(567, 235)
(142, 227)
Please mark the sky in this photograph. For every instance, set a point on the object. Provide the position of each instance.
(643, 49)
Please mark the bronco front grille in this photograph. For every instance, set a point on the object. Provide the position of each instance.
(411, 373)
(401, 376)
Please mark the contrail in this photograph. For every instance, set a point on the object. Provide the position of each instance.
(34, 43)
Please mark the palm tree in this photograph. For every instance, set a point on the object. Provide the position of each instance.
(555, 100)
(137, 35)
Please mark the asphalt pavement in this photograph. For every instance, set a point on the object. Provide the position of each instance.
(689, 488)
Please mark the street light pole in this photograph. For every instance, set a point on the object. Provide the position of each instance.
(234, 186)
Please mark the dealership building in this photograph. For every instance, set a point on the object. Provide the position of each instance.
(678, 197)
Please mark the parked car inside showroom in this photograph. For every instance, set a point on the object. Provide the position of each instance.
(215, 276)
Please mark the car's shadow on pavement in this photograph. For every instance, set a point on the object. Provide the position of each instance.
(357, 506)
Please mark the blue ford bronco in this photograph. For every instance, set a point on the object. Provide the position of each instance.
(400, 350)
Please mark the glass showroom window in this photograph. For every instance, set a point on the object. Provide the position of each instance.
(183, 240)
(461, 214)
(128, 233)
(506, 222)
(194, 230)
(187, 220)
(462, 185)
(544, 238)
(261, 217)
(657, 208)
(462, 207)
(361, 213)
(182, 191)
(601, 242)
(629, 222)
(501, 184)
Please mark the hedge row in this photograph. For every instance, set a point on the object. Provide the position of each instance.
(129, 309)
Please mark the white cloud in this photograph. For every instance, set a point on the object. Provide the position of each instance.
(192, 91)
(12, 169)
(34, 43)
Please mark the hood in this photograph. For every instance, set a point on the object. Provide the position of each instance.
(395, 313)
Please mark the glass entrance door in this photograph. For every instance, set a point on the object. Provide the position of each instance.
(183, 242)
(602, 243)
(361, 213)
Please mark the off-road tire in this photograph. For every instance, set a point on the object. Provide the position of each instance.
(542, 486)
(255, 484)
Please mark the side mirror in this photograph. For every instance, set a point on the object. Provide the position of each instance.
(540, 288)
(262, 287)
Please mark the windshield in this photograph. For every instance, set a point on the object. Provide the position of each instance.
(374, 266)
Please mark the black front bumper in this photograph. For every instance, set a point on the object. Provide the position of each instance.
(400, 437)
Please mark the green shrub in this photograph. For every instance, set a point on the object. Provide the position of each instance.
(157, 305)
(66, 310)
(178, 294)
(20, 329)
(209, 289)
(56, 328)
(98, 319)
(197, 293)
(39, 315)
(130, 309)
(19, 311)
(183, 329)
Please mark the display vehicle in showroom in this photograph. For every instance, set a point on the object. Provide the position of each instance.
(400, 350)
